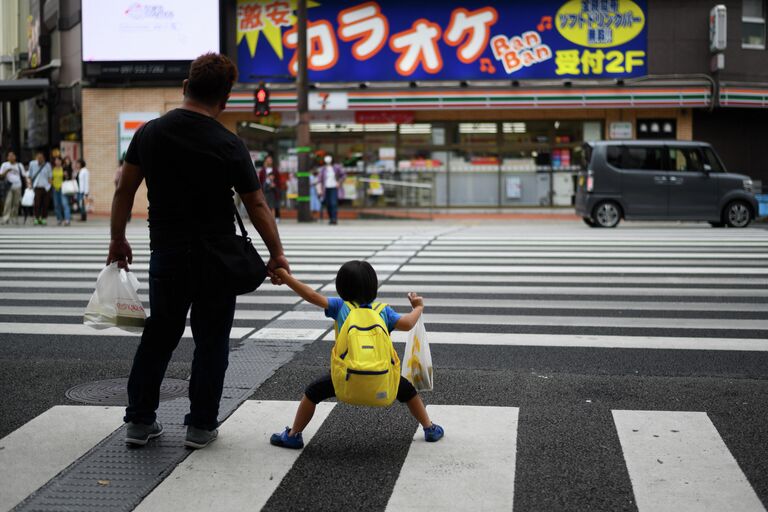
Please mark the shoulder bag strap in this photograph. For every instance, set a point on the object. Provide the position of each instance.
(38, 174)
(243, 232)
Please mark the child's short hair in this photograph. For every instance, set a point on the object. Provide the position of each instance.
(356, 281)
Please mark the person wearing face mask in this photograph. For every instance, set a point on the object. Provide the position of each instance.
(331, 178)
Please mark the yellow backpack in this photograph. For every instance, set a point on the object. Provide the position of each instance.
(365, 369)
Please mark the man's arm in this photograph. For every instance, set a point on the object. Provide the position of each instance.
(262, 219)
(122, 204)
(302, 290)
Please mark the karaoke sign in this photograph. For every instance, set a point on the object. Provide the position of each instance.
(444, 40)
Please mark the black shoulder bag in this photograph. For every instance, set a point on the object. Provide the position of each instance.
(229, 264)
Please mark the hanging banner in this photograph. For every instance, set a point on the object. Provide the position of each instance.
(444, 40)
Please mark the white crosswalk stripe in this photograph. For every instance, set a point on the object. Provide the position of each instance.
(678, 462)
(463, 471)
(241, 470)
(36, 452)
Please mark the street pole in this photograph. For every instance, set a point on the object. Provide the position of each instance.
(302, 130)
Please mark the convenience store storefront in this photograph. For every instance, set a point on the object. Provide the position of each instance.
(480, 148)
(472, 102)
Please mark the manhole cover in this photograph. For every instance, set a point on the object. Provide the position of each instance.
(114, 391)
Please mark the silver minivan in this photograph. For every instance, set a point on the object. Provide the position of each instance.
(660, 180)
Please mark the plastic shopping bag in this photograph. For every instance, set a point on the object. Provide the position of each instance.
(115, 302)
(417, 359)
(28, 198)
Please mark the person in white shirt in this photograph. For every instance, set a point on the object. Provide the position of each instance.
(331, 178)
(83, 186)
(12, 172)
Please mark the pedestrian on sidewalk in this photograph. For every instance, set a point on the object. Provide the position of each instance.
(315, 206)
(188, 159)
(83, 187)
(356, 284)
(41, 174)
(272, 185)
(60, 201)
(331, 178)
(13, 173)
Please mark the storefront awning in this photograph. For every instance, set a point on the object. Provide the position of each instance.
(22, 89)
(744, 95)
(690, 96)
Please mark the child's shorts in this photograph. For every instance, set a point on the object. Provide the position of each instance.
(322, 389)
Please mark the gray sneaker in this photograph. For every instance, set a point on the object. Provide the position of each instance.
(198, 438)
(138, 433)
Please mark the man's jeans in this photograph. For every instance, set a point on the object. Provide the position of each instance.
(81, 206)
(170, 297)
(332, 202)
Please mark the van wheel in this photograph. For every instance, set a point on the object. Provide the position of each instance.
(717, 224)
(589, 222)
(607, 214)
(737, 214)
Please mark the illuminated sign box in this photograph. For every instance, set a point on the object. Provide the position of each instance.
(147, 40)
(445, 40)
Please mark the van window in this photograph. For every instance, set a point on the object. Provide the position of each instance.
(685, 160)
(710, 158)
(636, 157)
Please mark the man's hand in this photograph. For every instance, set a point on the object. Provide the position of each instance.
(416, 300)
(120, 251)
(274, 263)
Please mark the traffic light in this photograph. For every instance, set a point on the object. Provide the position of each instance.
(261, 101)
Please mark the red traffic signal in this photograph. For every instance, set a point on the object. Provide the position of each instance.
(261, 101)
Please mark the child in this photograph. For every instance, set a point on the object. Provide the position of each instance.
(355, 282)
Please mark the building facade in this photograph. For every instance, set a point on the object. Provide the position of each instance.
(463, 104)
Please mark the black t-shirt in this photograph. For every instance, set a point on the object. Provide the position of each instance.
(190, 163)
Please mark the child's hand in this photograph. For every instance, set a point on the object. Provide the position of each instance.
(416, 300)
(281, 274)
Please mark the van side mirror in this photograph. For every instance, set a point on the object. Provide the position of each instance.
(707, 168)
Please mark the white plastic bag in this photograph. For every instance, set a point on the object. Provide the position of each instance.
(115, 302)
(28, 198)
(417, 359)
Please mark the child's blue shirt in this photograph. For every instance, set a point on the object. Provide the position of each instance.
(339, 311)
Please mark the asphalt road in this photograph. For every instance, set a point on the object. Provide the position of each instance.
(566, 360)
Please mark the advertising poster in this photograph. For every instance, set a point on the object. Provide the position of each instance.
(128, 124)
(444, 40)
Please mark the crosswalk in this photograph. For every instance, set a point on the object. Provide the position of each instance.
(676, 460)
(487, 288)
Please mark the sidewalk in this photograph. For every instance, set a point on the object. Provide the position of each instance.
(473, 214)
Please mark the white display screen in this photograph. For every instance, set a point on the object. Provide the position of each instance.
(157, 30)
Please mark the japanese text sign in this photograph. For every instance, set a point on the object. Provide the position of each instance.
(444, 39)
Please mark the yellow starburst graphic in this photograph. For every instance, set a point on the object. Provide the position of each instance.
(266, 17)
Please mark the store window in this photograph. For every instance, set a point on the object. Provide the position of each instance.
(656, 129)
(753, 24)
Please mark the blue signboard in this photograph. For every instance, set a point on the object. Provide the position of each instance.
(444, 40)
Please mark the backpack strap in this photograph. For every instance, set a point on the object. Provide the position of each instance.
(351, 305)
(378, 306)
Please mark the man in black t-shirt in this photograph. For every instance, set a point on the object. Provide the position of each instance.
(190, 163)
